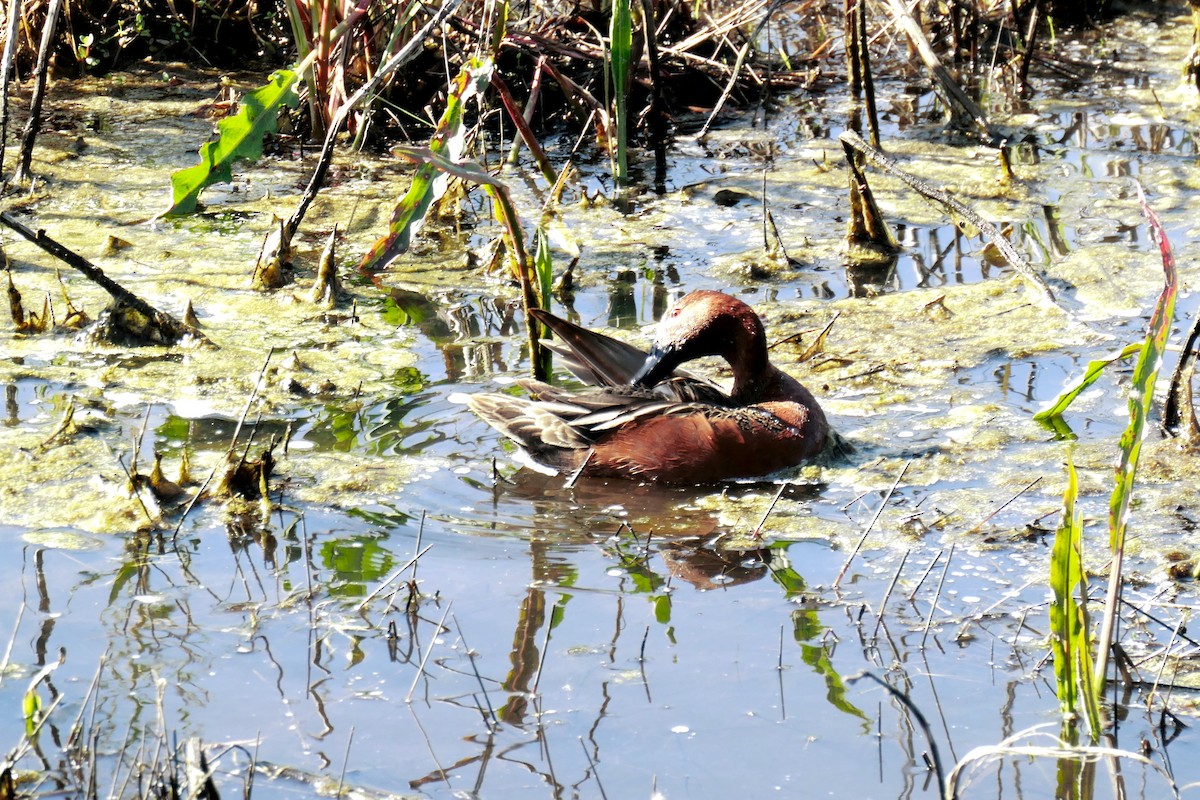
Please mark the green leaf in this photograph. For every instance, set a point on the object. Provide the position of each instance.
(620, 35)
(241, 136)
(543, 265)
(662, 609)
(1141, 393)
(429, 181)
(1093, 371)
(1069, 626)
(1064, 574)
(817, 657)
(31, 707)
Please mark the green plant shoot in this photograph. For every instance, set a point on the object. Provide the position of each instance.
(241, 137)
(429, 181)
(1141, 397)
(543, 265)
(514, 239)
(1069, 628)
(1093, 371)
(620, 64)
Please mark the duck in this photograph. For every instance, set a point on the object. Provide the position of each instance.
(643, 418)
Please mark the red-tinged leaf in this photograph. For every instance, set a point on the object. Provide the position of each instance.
(429, 182)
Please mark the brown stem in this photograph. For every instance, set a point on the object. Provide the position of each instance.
(39, 90)
(173, 328)
(518, 118)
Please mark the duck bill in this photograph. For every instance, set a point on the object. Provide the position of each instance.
(658, 367)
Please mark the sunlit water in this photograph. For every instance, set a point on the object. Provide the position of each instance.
(603, 639)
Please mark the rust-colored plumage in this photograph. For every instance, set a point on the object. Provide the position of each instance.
(645, 420)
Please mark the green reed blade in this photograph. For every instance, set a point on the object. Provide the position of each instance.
(621, 66)
(429, 181)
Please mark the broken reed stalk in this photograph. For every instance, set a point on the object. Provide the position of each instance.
(960, 103)
(6, 69)
(869, 239)
(39, 91)
(172, 330)
(845, 567)
(527, 135)
(1031, 33)
(862, 83)
(1017, 261)
(853, 65)
(1179, 396)
(369, 89)
(656, 115)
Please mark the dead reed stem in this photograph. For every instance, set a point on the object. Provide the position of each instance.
(1017, 261)
(937, 595)
(34, 123)
(6, 69)
(837, 581)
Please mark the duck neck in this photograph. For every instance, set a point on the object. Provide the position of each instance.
(753, 373)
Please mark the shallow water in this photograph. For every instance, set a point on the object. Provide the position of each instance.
(604, 638)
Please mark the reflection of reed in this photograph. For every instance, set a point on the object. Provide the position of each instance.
(525, 657)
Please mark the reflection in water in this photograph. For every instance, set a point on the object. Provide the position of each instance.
(870, 280)
(11, 408)
(510, 652)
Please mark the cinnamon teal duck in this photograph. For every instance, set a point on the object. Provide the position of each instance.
(644, 419)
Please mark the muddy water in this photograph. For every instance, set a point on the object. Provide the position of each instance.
(606, 638)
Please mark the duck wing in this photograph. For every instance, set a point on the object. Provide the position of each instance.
(601, 360)
(591, 412)
(592, 357)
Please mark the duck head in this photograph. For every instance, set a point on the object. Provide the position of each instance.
(707, 323)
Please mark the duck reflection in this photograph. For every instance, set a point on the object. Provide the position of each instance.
(638, 523)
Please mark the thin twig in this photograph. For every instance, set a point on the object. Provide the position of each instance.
(249, 402)
(494, 723)
(907, 702)
(888, 594)
(874, 519)
(421, 669)
(537, 676)
(979, 525)
(758, 528)
(912, 595)
(11, 639)
(345, 761)
(395, 574)
(592, 766)
(937, 595)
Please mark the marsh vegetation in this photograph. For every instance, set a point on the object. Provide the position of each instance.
(255, 252)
